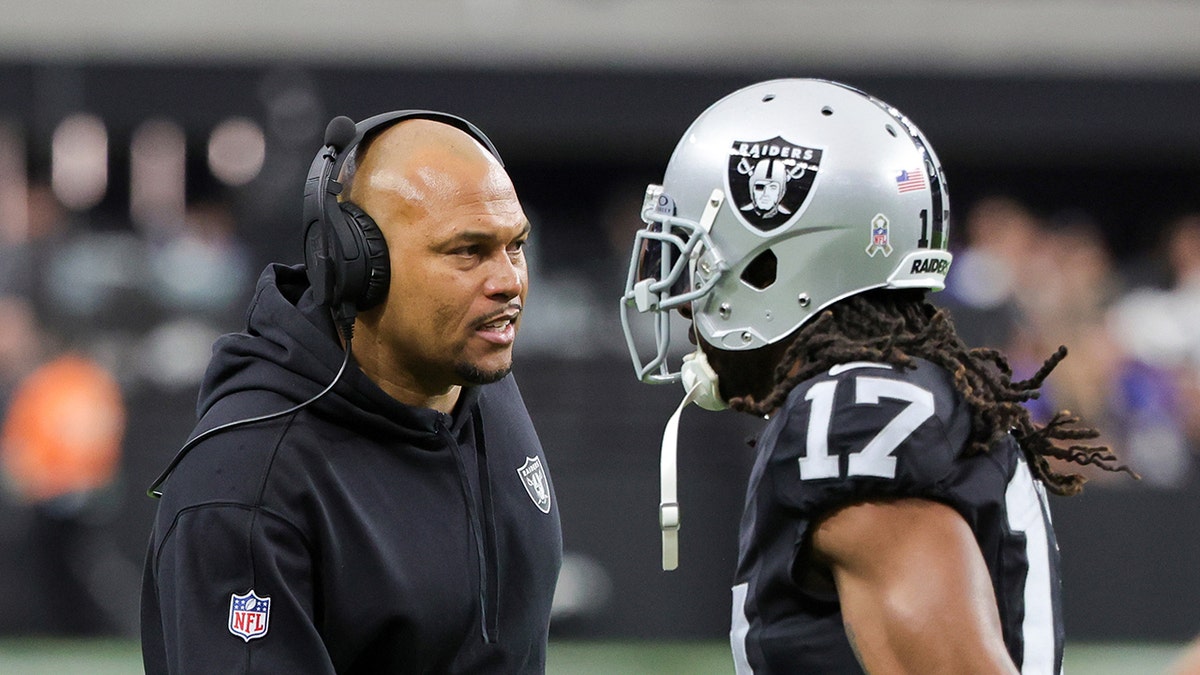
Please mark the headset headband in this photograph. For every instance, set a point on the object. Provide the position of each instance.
(383, 120)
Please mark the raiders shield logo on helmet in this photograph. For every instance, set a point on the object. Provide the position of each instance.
(770, 180)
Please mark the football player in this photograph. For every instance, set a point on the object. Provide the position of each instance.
(895, 518)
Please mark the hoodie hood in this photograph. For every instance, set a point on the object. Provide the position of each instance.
(290, 348)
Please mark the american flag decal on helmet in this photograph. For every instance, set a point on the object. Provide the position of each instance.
(910, 180)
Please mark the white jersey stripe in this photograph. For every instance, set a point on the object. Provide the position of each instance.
(1026, 514)
(739, 627)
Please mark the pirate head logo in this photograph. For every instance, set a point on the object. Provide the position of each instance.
(533, 477)
(770, 180)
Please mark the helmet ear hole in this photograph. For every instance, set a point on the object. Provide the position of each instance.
(761, 271)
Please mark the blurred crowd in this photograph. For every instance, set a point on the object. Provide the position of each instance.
(105, 329)
(1028, 283)
(104, 333)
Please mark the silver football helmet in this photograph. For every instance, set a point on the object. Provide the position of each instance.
(781, 199)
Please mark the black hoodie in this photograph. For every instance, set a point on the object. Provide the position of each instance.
(357, 535)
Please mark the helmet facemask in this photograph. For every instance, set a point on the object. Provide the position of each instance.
(663, 275)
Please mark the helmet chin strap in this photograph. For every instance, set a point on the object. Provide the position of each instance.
(696, 372)
(700, 382)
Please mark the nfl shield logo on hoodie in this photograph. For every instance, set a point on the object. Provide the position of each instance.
(248, 615)
(533, 476)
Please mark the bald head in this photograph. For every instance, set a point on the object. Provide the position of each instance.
(385, 156)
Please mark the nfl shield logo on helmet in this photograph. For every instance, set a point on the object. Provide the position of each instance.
(249, 615)
(770, 180)
(533, 477)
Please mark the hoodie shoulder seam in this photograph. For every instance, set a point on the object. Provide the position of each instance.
(213, 505)
(270, 463)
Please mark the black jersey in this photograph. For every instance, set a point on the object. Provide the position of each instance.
(864, 431)
(357, 535)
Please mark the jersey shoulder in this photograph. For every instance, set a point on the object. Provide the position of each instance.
(868, 429)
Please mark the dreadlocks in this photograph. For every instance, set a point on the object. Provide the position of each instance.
(897, 326)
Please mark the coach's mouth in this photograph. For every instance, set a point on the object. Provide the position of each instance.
(500, 329)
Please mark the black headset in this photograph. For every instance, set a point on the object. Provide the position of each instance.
(344, 252)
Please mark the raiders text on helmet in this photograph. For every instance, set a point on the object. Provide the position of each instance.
(781, 199)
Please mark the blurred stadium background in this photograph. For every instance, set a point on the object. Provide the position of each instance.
(151, 162)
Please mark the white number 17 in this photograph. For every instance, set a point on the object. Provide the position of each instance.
(875, 459)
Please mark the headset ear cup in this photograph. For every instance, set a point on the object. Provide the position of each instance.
(377, 273)
(317, 257)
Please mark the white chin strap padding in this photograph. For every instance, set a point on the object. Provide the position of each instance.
(697, 373)
(701, 384)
